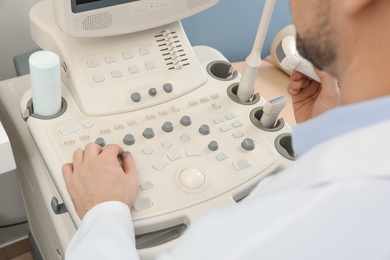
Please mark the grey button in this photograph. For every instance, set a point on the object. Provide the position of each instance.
(148, 133)
(204, 129)
(152, 92)
(167, 127)
(124, 154)
(136, 97)
(248, 144)
(129, 139)
(100, 141)
(185, 120)
(213, 145)
(168, 87)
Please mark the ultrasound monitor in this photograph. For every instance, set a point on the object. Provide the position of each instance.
(97, 18)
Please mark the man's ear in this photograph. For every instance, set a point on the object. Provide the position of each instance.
(353, 7)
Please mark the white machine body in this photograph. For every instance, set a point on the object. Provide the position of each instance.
(289, 58)
(98, 18)
(7, 161)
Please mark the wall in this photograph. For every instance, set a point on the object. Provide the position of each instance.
(15, 33)
(230, 27)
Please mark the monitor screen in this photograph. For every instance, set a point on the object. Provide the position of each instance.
(88, 5)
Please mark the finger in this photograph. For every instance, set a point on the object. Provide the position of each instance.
(113, 149)
(92, 150)
(67, 171)
(78, 156)
(296, 75)
(128, 164)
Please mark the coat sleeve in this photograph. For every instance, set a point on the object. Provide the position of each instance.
(106, 232)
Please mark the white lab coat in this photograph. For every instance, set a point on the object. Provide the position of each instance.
(333, 203)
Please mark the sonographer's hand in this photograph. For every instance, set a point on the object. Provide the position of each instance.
(96, 176)
(311, 98)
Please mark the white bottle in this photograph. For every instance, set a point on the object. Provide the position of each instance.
(45, 83)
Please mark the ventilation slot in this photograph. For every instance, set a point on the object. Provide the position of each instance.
(171, 49)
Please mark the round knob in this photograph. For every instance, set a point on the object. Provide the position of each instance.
(168, 87)
(204, 129)
(129, 139)
(148, 133)
(248, 144)
(136, 97)
(124, 154)
(192, 178)
(167, 127)
(185, 120)
(100, 141)
(152, 92)
(213, 145)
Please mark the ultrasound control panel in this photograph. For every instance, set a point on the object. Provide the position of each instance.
(195, 145)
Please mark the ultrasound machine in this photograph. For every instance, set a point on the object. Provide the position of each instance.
(199, 135)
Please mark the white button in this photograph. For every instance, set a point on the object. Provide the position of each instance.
(150, 65)
(105, 131)
(119, 127)
(192, 178)
(218, 119)
(221, 156)
(204, 99)
(215, 96)
(132, 123)
(241, 164)
(111, 59)
(147, 150)
(92, 63)
(147, 185)
(142, 204)
(116, 74)
(160, 164)
(238, 134)
(185, 137)
(193, 152)
(98, 78)
(167, 144)
(193, 103)
(216, 106)
(237, 123)
(88, 124)
(144, 51)
(84, 138)
(69, 129)
(70, 142)
(225, 128)
(176, 155)
(230, 115)
(127, 54)
(133, 69)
